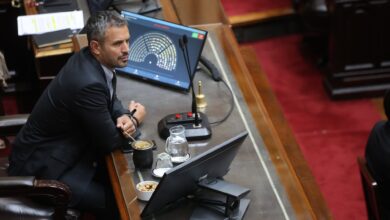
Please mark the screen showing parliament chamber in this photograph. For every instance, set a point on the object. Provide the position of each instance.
(156, 53)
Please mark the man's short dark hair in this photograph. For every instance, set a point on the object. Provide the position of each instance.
(99, 22)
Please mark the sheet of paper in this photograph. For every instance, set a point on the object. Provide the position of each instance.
(42, 23)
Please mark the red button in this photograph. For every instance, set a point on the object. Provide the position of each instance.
(189, 114)
(178, 116)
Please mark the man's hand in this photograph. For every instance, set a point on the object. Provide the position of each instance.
(140, 110)
(126, 125)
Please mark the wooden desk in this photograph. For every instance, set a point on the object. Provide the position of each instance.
(251, 168)
(303, 199)
(292, 184)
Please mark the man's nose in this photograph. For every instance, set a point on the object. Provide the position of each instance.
(125, 47)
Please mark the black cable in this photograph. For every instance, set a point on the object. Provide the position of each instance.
(210, 69)
(231, 106)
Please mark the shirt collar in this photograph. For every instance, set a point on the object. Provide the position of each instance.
(108, 72)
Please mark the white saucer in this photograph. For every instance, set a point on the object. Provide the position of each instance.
(159, 172)
(182, 160)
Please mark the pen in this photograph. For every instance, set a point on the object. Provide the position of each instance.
(133, 117)
(133, 111)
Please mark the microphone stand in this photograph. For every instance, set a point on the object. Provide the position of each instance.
(196, 124)
(184, 49)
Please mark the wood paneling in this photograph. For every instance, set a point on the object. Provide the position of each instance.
(258, 17)
(192, 12)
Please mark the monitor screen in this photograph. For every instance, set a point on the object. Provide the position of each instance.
(155, 54)
(183, 179)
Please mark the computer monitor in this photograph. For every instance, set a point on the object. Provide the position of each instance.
(183, 179)
(155, 54)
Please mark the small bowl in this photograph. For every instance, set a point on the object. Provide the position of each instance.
(145, 189)
(142, 144)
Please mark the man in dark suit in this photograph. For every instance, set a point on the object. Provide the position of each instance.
(78, 119)
(378, 157)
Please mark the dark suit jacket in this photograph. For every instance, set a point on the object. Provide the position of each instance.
(378, 161)
(71, 127)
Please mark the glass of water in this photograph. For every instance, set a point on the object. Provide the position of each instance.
(176, 144)
(163, 164)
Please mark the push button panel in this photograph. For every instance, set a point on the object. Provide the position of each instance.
(182, 118)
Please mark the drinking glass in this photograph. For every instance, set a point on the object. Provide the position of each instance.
(176, 144)
(163, 164)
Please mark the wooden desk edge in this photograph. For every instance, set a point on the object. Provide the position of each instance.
(296, 186)
(288, 141)
(123, 186)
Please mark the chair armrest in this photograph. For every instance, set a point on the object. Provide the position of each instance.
(16, 181)
(48, 191)
(11, 124)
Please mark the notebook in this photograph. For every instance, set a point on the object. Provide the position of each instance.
(53, 38)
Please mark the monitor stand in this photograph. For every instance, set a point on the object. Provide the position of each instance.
(224, 201)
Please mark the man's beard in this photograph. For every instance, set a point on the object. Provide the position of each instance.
(123, 62)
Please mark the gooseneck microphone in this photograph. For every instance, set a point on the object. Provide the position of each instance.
(183, 45)
(196, 123)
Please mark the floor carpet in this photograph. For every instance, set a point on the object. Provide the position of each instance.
(331, 134)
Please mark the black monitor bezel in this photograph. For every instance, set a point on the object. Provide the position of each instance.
(174, 25)
(217, 151)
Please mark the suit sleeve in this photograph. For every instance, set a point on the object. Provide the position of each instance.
(117, 109)
(92, 108)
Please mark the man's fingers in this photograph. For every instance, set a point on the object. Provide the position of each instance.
(120, 124)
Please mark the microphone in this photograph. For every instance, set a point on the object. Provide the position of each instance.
(183, 45)
(196, 123)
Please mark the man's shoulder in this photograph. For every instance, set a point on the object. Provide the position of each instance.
(81, 70)
(83, 61)
(84, 54)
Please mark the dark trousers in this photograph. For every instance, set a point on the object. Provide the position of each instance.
(99, 197)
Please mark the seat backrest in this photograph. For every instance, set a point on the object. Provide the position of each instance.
(371, 190)
(19, 195)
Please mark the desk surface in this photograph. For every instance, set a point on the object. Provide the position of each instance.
(251, 168)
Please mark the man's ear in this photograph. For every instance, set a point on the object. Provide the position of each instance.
(95, 47)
